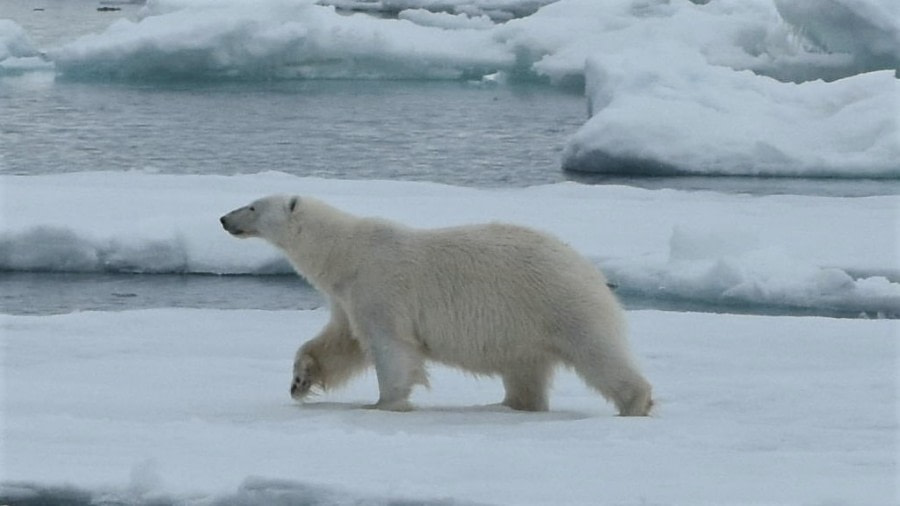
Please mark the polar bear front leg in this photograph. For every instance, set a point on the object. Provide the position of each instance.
(399, 365)
(329, 360)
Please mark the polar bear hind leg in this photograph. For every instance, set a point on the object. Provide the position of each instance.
(399, 364)
(607, 367)
(526, 387)
(399, 367)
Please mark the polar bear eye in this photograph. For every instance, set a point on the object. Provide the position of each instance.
(252, 209)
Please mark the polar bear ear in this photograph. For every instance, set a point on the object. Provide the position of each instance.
(293, 204)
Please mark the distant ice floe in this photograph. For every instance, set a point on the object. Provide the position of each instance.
(496, 10)
(14, 41)
(732, 88)
(425, 17)
(17, 52)
(647, 121)
(284, 39)
(799, 88)
(788, 254)
(865, 32)
(725, 268)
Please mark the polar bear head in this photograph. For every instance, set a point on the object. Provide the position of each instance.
(268, 218)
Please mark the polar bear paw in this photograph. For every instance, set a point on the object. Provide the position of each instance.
(401, 405)
(306, 374)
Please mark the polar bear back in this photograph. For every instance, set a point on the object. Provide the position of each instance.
(491, 296)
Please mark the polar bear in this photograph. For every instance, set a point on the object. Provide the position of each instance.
(492, 299)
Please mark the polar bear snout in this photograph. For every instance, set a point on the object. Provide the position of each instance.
(235, 224)
(228, 226)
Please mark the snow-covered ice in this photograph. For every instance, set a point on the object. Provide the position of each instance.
(697, 117)
(14, 42)
(17, 51)
(276, 39)
(726, 267)
(495, 10)
(788, 252)
(190, 404)
(866, 32)
(737, 87)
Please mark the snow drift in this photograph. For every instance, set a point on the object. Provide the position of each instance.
(17, 52)
(780, 252)
(711, 91)
(274, 39)
(14, 42)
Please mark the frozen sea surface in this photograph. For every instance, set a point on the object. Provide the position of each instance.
(192, 407)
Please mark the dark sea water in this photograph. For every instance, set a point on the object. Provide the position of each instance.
(449, 132)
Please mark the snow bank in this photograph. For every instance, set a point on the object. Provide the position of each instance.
(724, 267)
(274, 39)
(496, 10)
(805, 251)
(184, 405)
(14, 42)
(701, 94)
(797, 41)
(424, 17)
(866, 31)
(17, 52)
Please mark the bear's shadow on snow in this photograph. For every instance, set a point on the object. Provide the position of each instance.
(451, 415)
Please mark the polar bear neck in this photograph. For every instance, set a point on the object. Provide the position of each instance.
(319, 246)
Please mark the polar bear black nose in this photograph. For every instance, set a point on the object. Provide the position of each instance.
(224, 221)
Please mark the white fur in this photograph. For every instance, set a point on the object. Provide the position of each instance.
(491, 299)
